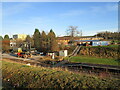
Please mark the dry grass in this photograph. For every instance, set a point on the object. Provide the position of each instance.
(23, 76)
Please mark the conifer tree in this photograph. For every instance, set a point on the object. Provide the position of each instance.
(44, 41)
(28, 38)
(6, 43)
(37, 39)
(1, 39)
(53, 45)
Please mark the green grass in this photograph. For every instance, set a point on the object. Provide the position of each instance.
(22, 76)
(94, 60)
(116, 46)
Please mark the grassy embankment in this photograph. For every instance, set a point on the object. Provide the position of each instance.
(115, 46)
(94, 60)
(23, 76)
(97, 55)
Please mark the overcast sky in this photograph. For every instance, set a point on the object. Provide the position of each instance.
(90, 17)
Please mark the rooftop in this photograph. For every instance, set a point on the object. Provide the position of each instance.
(85, 40)
(75, 38)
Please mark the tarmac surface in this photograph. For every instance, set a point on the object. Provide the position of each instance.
(14, 56)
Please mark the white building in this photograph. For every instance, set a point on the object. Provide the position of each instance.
(12, 43)
(20, 36)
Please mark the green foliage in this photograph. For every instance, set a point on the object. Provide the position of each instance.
(36, 30)
(6, 37)
(1, 38)
(109, 35)
(21, 76)
(94, 60)
(100, 51)
(111, 51)
(30, 39)
(115, 42)
(45, 43)
(37, 37)
(6, 43)
(70, 49)
(53, 45)
(109, 46)
(62, 46)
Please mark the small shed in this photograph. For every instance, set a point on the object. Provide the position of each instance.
(63, 53)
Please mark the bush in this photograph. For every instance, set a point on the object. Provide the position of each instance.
(104, 52)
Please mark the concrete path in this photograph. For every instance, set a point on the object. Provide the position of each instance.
(14, 56)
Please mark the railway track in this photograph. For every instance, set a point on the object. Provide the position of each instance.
(108, 71)
(97, 69)
(93, 66)
(97, 72)
(90, 68)
(111, 70)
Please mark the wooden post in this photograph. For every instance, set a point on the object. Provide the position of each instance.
(80, 67)
(106, 69)
(90, 71)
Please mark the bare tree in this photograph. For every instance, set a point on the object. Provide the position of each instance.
(72, 31)
(79, 33)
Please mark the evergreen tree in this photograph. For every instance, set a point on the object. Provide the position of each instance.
(1, 38)
(37, 39)
(6, 43)
(53, 45)
(62, 46)
(32, 42)
(6, 37)
(44, 41)
(28, 38)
